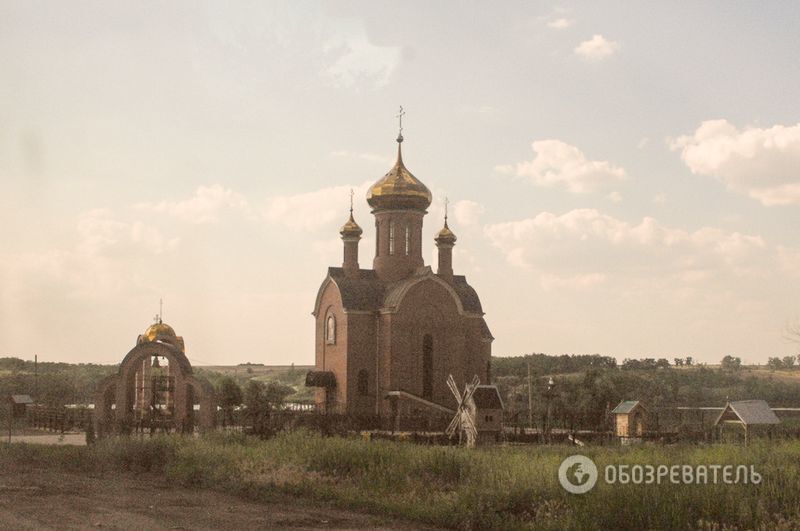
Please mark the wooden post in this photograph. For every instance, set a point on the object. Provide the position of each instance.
(530, 398)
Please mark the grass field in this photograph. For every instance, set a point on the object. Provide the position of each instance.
(502, 487)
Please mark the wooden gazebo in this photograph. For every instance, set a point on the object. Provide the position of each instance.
(748, 414)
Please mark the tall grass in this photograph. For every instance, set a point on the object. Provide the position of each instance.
(502, 487)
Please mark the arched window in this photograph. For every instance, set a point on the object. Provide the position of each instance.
(330, 330)
(408, 240)
(391, 237)
(377, 239)
(427, 366)
(363, 382)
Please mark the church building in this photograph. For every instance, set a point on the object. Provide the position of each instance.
(388, 337)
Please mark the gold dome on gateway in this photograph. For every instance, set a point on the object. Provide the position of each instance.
(160, 332)
(399, 189)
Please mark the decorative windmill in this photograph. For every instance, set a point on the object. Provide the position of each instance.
(464, 420)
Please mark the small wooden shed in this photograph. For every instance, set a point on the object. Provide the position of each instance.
(748, 414)
(630, 420)
(19, 404)
(487, 412)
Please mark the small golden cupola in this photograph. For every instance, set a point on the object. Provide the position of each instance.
(351, 234)
(445, 235)
(161, 332)
(399, 189)
(445, 241)
(351, 229)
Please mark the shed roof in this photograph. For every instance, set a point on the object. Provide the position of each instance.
(487, 397)
(749, 412)
(626, 406)
(21, 399)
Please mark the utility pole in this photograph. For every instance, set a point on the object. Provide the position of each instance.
(36, 378)
(530, 398)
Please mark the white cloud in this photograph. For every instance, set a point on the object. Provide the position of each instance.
(100, 233)
(560, 23)
(596, 49)
(204, 207)
(584, 248)
(315, 210)
(102, 264)
(763, 164)
(466, 212)
(560, 164)
(356, 61)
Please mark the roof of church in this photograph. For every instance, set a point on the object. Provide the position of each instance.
(369, 293)
(359, 294)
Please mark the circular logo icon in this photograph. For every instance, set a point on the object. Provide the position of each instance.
(577, 474)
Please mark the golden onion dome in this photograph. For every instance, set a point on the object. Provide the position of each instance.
(351, 228)
(399, 189)
(160, 332)
(445, 235)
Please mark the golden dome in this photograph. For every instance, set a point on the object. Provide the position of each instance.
(399, 189)
(160, 332)
(445, 235)
(351, 228)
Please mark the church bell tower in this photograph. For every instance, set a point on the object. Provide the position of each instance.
(399, 202)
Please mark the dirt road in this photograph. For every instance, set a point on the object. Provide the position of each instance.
(40, 499)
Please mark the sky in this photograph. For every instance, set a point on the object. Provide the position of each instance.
(623, 178)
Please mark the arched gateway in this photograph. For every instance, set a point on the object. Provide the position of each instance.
(154, 389)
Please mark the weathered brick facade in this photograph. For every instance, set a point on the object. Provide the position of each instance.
(398, 326)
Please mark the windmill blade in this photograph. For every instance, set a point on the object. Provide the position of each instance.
(469, 391)
(454, 424)
(451, 383)
(470, 388)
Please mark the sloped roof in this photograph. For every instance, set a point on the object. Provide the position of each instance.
(487, 397)
(750, 412)
(21, 399)
(369, 293)
(364, 293)
(626, 406)
(467, 294)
